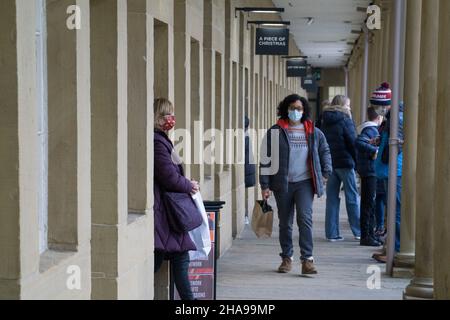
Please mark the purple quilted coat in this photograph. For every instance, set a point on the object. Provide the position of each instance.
(170, 176)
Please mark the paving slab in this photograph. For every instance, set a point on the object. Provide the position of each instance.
(247, 271)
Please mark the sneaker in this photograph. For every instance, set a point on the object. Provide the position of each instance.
(308, 267)
(358, 238)
(337, 239)
(247, 221)
(286, 266)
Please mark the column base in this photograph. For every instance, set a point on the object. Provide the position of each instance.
(403, 273)
(405, 260)
(419, 289)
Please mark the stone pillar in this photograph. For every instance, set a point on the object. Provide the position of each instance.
(405, 258)
(422, 284)
(442, 194)
(386, 29)
(109, 142)
(32, 273)
(182, 45)
(18, 127)
(138, 111)
(208, 90)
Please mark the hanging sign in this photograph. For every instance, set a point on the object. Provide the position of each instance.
(272, 42)
(309, 84)
(296, 68)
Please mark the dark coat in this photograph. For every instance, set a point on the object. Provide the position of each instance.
(365, 149)
(319, 159)
(170, 177)
(250, 166)
(340, 132)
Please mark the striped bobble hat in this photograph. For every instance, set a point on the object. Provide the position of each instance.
(382, 96)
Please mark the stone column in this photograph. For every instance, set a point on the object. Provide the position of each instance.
(18, 148)
(109, 142)
(208, 90)
(182, 45)
(422, 284)
(405, 258)
(442, 194)
(386, 29)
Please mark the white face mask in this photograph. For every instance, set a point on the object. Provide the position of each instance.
(295, 115)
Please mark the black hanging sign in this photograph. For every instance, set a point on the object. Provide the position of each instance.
(272, 42)
(296, 68)
(309, 84)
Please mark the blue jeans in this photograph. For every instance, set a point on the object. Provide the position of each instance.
(398, 209)
(380, 204)
(179, 263)
(300, 194)
(348, 177)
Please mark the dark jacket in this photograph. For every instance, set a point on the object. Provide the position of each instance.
(382, 162)
(366, 149)
(319, 160)
(250, 167)
(169, 176)
(340, 132)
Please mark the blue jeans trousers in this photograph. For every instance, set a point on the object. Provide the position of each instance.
(352, 200)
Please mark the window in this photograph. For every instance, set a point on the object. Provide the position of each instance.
(334, 91)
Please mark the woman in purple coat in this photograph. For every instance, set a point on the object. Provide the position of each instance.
(169, 175)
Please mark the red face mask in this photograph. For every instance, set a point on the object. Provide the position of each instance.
(169, 123)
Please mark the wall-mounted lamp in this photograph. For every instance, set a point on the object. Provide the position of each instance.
(258, 10)
(270, 23)
(295, 57)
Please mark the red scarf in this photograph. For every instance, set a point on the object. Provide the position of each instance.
(309, 126)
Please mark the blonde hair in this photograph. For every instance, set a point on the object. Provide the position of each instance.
(340, 100)
(326, 103)
(162, 107)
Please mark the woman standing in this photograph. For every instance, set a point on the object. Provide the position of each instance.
(299, 162)
(169, 176)
(340, 131)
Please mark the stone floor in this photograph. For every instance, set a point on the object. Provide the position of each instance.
(248, 270)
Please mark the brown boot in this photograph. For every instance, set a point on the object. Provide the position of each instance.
(308, 267)
(286, 266)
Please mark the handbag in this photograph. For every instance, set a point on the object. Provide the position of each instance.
(201, 236)
(182, 213)
(262, 219)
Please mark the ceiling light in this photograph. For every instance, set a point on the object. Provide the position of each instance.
(270, 23)
(259, 10)
(295, 57)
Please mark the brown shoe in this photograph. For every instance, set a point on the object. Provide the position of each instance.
(286, 266)
(379, 253)
(380, 259)
(308, 267)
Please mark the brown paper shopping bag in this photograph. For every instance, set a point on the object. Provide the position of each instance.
(262, 220)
